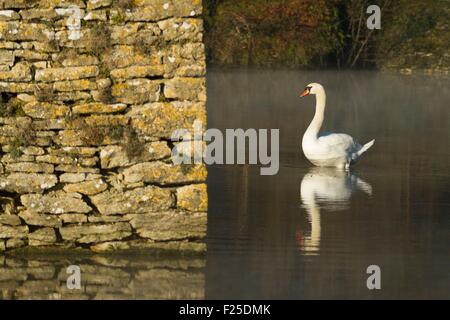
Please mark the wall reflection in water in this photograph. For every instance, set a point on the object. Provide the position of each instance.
(329, 189)
(102, 277)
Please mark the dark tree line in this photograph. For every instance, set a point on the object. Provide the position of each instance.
(321, 33)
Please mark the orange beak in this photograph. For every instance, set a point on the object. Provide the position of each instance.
(304, 93)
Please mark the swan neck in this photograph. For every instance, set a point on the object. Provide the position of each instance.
(316, 123)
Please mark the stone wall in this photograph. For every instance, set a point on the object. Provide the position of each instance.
(91, 92)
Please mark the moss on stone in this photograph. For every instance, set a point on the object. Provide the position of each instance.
(11, 108)
(186, 168)
(123, 4)
(44, 93)
(144, 46)
(99, 40)
(93, 135)
(116, 132)
(24, 138)
(118, 18)
(134, 147)
(105, 95)
(15, 150)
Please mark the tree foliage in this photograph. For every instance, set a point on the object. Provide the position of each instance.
(321, 33)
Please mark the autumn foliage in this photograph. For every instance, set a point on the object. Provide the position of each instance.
(326, 33)
(271, 33)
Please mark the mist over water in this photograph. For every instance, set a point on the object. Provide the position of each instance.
(310, 232)
(306, 232)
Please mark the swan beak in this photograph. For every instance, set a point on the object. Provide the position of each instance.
(304, 93)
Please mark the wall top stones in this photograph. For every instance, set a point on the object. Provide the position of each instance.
(90, 92)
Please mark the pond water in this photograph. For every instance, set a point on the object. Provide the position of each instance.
(311, 233)
(306, 232)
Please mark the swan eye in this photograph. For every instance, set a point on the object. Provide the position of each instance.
(308, 88)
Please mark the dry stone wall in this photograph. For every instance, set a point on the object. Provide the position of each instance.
(91, 92)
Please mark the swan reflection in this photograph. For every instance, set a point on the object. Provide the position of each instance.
(329, 189)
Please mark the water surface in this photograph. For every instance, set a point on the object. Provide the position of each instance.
(311, 233)
(306, 232)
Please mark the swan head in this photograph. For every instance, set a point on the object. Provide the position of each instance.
(312, 88)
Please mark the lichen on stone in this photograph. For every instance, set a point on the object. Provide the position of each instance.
(90, 92)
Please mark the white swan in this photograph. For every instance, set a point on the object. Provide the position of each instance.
(329, 189)
(328, 149)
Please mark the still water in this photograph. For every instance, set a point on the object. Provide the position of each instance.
(306, 232)
(310, 232)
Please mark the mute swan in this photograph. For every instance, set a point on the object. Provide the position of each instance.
(329, 189)
(328, 149)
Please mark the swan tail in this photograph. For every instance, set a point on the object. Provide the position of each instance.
(365, 147)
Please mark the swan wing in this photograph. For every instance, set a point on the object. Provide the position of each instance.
(339, 143)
